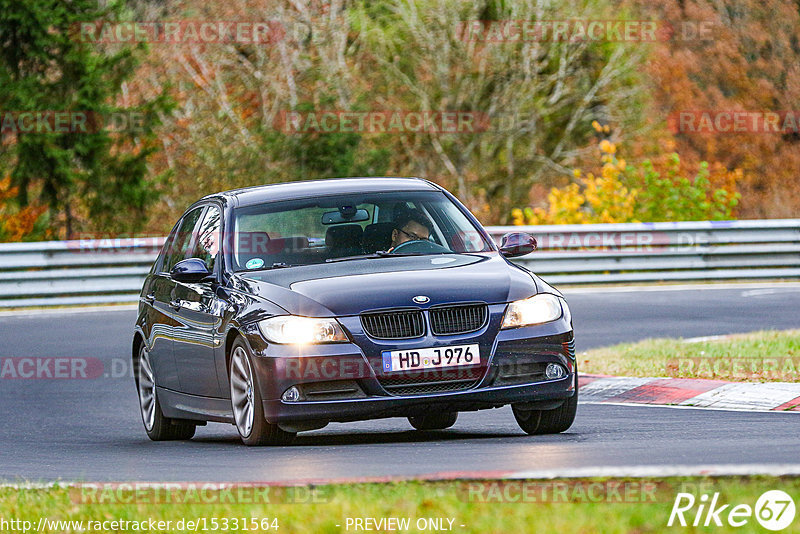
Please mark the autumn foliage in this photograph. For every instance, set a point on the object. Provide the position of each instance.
(622, 192)
(16, 223)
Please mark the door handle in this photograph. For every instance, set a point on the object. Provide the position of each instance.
(151, 298)
(175, 304)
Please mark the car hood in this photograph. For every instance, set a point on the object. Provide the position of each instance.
(357, 286)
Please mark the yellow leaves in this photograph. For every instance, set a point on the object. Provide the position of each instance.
(591, 199)
(619, 193)
(608, 147)
(6, 191)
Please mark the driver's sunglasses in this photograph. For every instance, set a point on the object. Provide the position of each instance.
(414, 237)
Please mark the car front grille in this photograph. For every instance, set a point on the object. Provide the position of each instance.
(432, 381)
(458, 319)
(401, 324)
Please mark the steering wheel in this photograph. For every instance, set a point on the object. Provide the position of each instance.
(419, 246)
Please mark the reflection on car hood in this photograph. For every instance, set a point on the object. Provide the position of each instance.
(353, 287)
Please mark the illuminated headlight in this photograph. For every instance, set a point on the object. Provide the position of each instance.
(537, 309)
(291, 329)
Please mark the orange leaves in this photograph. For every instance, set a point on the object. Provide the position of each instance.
(16, 224)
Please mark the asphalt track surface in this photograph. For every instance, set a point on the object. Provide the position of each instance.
(90, 430)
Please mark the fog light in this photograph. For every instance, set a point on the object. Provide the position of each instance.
(554, 371)
(291, 395)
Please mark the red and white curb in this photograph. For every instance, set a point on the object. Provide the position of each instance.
(691, 392)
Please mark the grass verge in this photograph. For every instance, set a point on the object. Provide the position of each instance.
(575, 505)
(770, 355)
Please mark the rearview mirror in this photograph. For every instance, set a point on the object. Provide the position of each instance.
(191, 271)
(346, 214)
(517, 244)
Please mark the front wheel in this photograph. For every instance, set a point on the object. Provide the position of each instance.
(157, 426)
(248, 408)
(547, 421)
(434, 421)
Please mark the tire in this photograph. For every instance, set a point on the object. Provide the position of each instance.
(554, 421)
(246, 402)
(157, 426)
(434, 421)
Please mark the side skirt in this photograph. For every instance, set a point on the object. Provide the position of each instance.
(184, 406)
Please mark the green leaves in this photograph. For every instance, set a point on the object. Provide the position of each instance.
(100, 171)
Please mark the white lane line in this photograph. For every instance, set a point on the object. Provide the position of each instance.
(69, 311)
(682, 407)
(662, 471)
(703, 339)
(746, 395)
(632, 471)
(679, 287)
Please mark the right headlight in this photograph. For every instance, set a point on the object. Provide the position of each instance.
(538, 309)
(292, 329)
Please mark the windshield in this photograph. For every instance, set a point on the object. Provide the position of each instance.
(332, 228)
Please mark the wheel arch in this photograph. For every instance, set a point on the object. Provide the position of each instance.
(138, 341)
(230, 338)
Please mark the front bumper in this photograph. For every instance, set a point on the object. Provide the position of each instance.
(498, 381)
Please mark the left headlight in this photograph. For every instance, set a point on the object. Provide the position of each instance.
(292, 329)
(538, 309)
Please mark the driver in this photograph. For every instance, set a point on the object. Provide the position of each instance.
(410, 225)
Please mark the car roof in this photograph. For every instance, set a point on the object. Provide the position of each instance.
(292, 190)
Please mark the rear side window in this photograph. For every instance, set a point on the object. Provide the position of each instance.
(179, 246)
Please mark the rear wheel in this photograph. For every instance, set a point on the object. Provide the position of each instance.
(547, 421)
(248, 408)
(157, 426)
(435, 421)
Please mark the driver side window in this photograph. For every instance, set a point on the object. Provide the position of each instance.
(183, 238)
(206, 244)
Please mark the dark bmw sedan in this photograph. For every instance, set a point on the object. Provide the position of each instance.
(282, 308)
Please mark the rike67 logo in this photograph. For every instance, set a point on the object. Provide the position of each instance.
(774, 510)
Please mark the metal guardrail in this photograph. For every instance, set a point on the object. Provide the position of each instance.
(56, 273)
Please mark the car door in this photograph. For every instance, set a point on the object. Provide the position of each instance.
(197, 342)
(158, 294)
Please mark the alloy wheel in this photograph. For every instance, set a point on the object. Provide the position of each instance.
(242, 391)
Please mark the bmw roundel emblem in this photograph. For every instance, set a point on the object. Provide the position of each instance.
(421, 299)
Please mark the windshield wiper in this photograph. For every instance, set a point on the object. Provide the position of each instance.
(378, 254)
(384, 254)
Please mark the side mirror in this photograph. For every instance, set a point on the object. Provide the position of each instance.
(517, 244)
(191, 270)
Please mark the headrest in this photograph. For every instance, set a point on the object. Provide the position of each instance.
(344, 236)
(378, 236)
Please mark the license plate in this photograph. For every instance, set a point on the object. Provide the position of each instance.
(428, 358)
